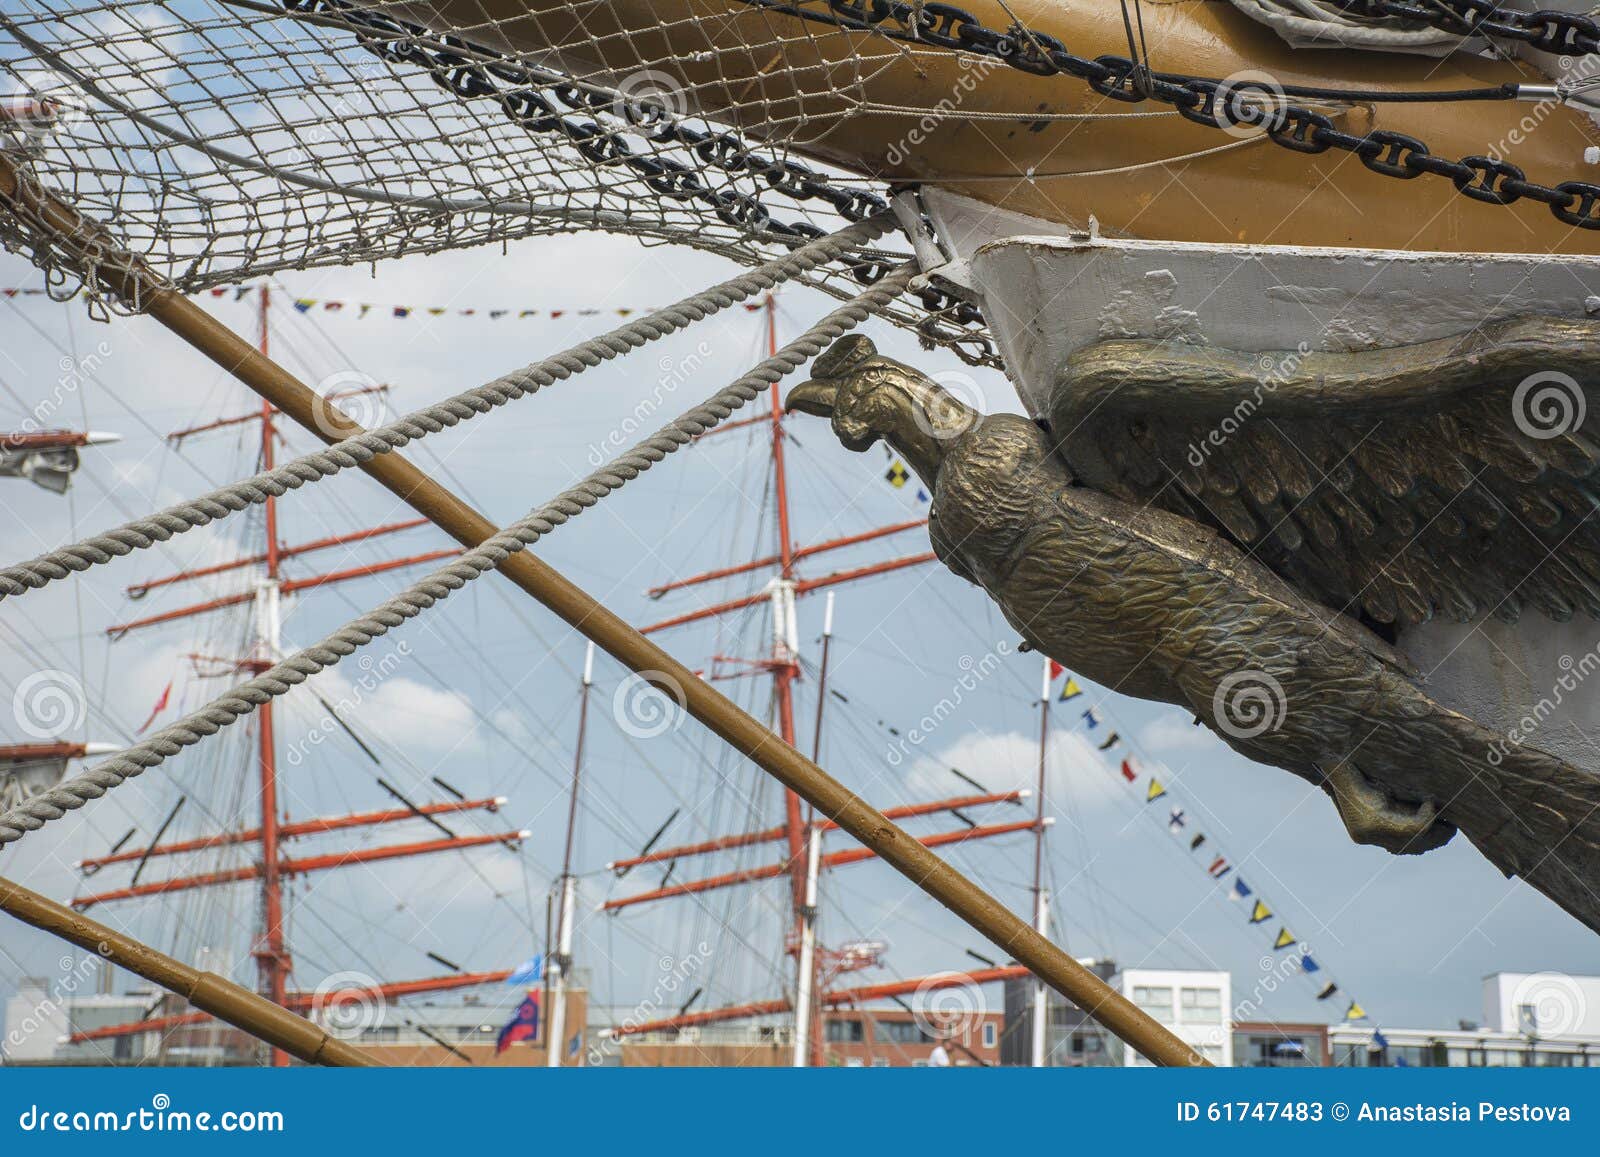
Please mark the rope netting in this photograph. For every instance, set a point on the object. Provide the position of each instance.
(226, 139)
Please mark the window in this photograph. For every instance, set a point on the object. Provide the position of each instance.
(1528, 1019)
(989, 1035)
(845, 1032)
(1156, 1001)
(899, 1032)
(1202, 1006)
(880, 1062)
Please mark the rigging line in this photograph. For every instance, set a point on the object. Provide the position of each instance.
(462, 854)
(360, 447)
(433, 589)
(126, 406)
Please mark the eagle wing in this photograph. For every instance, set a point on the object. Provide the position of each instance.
(1456, 477)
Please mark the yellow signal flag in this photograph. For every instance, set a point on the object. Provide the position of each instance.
(1259, 913)
(897, 474)
(1355, 1012)
(1285, 938)
(1155, 791)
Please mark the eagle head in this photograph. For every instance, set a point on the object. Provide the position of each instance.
(869, 396)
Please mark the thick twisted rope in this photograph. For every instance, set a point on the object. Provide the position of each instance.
(94, 782)
(142, 533)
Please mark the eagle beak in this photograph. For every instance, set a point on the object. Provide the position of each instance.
(815, 397)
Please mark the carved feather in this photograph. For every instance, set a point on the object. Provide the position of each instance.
(1456, 478)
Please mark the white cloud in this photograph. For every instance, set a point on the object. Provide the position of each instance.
(1175, 733)
(1078, 775)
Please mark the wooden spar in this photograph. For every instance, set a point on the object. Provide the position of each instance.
(285, 586)
(302, 1001)
(767, 835)
(831, 860)
(122, 272)
(139, 590)
(225, 1000)
(314, 827)
(801, 587)
(301, 867)
(798, 554)
(839, 998)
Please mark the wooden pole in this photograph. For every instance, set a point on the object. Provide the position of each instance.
(224, 999)
(124, 274)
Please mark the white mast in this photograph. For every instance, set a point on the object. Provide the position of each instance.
(1041, 904)
(805, 995)
(559, 968)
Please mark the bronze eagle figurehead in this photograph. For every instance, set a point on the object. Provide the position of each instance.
(1369, 492)
(871, 397)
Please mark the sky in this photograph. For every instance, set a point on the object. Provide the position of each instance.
(482, 692)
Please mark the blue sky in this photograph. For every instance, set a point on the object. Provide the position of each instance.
(485, 694)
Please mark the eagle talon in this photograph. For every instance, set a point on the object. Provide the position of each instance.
(1372, 816)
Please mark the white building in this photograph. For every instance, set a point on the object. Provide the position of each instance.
(43, 1014)
(1542, 1004)
(1195, 1005)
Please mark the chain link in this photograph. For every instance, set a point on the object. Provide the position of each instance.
(1563, 33)
(542, 103)
(1217, 105)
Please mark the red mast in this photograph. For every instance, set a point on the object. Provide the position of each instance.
(801, 834)
(270, 948)
(785, 657)
(272, 953)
